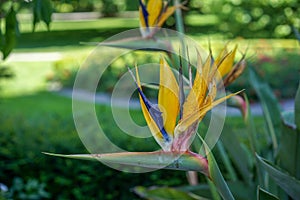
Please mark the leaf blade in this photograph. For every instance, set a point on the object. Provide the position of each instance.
(184, 161)
(288, 183)
(297, 109)
(265, 195)
(11, 30)
(270, 107)
(165, 193)
(215, 174)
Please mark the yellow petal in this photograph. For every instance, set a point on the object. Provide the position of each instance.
(205, 83)
(226, 64)
(154, 8)
(168, 96)
(166, 14)
(221, 55)
(199, 114)
(198, 92)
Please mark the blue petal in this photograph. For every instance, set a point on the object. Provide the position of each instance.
(156, 115)
(145, 12)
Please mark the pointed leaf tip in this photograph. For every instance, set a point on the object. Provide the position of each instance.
(288, 183)
(184, 161)
(265, 195)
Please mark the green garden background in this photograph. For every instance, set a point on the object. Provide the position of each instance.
(36, 116)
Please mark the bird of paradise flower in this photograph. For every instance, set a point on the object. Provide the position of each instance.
(174, 121)
(162, 118)
(175, 136)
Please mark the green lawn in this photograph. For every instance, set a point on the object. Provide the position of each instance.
(28, 77)
(103, 23)
(67, 35)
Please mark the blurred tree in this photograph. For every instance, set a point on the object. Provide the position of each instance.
(256, 18)
(109, 8)
(76, 5)
(131, 5)
(42, 11)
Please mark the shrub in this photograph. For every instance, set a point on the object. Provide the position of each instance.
(26, 132)
(253, 18)
(280, 71)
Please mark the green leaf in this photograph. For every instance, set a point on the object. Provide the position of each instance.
(239, 189)
(215, 174)
(225, 159)
(288, 183)
(270, 106)
(297, 122)
(136, 43)
(185, 161)
(217, 178)
(165, 193)
(1, 36)
(252, 134)
(297, 109)
(213, 190)
(289, 154)
(11, 30)
(251, 128)
(238, 155)
(288, 118)
(265, 195)
(288, 149)
(202, 190)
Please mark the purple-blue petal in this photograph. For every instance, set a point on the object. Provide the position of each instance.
(145, 13)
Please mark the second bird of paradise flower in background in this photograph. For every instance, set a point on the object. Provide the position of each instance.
(153, 14)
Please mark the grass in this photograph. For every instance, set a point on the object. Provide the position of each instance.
(103, 23)
(33, 105)
(29, 77)
(67, 35)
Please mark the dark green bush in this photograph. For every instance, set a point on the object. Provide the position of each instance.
(64, 72)
(109, 8)
(34, 124)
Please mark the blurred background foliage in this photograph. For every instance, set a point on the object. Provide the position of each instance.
(34, 120)
(240, 18)
(250, 19)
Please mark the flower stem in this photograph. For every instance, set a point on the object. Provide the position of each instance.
(178, 17)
